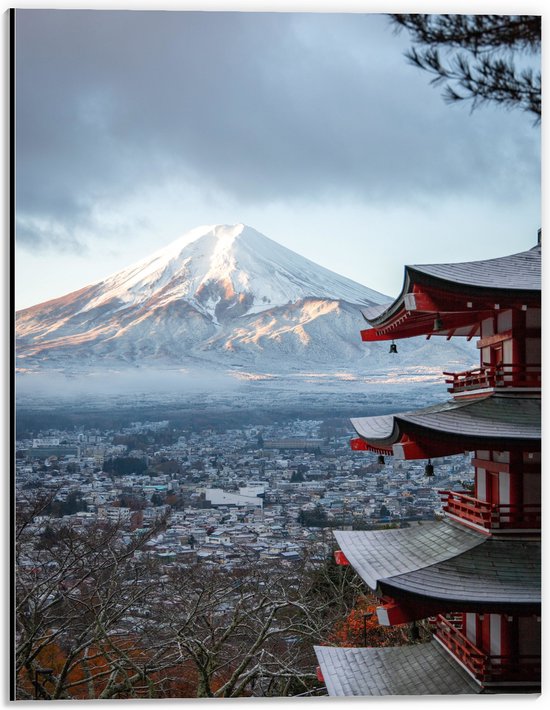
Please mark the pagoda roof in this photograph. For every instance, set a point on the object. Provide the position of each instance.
(490, 418)
(383, 554)
(447, 563)
(420, 669)
(519, 272)
(457, 293)
(498, 571)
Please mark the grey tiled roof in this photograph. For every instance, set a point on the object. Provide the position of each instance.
(446, 561)
(495, 416)
(518, 272)
(377, 428)
(421, 669)
(383, 554)
(376, 310)
(498, 571)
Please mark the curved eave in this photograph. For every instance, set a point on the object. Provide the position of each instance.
(420, 669)
(382, 430)
(498, 574)
(447, 566)
(379, 314)
(407, 323)
(454, 426)
(459, 294)
(520, 273)
(383, 554)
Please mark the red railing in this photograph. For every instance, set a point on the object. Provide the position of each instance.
(484, 667)
(492, 377)
(491, 516)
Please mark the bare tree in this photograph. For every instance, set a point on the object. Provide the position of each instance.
(99, 617)
(480, 58)
(74, 590)
(250, 631)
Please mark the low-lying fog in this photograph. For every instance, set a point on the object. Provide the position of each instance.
(62, 386)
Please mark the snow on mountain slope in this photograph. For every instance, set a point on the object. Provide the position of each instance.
(223, 267)
(218, 296)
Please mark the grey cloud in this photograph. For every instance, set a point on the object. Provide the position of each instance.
(55, 235)
(259, 107)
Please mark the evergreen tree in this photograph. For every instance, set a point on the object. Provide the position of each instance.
(297, 477)
(125, 465)
(477, 57)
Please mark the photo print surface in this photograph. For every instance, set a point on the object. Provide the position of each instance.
(277, 306)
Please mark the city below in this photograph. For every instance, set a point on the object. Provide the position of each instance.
(266, 491)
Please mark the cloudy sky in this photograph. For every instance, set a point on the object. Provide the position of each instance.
(134, 127)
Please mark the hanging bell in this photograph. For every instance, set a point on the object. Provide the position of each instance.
(429, 468)
(393, 348)
(438, 323)
(381, 460)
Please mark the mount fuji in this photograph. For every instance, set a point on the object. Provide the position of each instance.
(218, 297)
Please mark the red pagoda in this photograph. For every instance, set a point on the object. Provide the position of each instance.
(476, 573)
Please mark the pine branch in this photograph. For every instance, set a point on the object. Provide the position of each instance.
(474, 57)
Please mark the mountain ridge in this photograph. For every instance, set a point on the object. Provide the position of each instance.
(220, 295)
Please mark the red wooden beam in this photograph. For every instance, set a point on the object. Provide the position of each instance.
(411, 324)
(508, 335)
(362, 445)
(493, 466)
(444, 299)
(411, 447)
(392, 613)
(358, 445)
(494, 339)
(496, 467)
(341, 559)
(421, 301)
(419, 449)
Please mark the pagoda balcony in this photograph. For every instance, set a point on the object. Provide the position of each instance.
(491, 516)
(487, 669)
(489, 378)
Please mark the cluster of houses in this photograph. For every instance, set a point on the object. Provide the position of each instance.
(269, 492)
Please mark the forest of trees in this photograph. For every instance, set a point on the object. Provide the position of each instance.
(125, 466)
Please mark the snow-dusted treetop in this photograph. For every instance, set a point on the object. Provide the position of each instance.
(215, 262)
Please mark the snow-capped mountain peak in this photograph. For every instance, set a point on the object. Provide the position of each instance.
(220, 296)
(225, 266)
